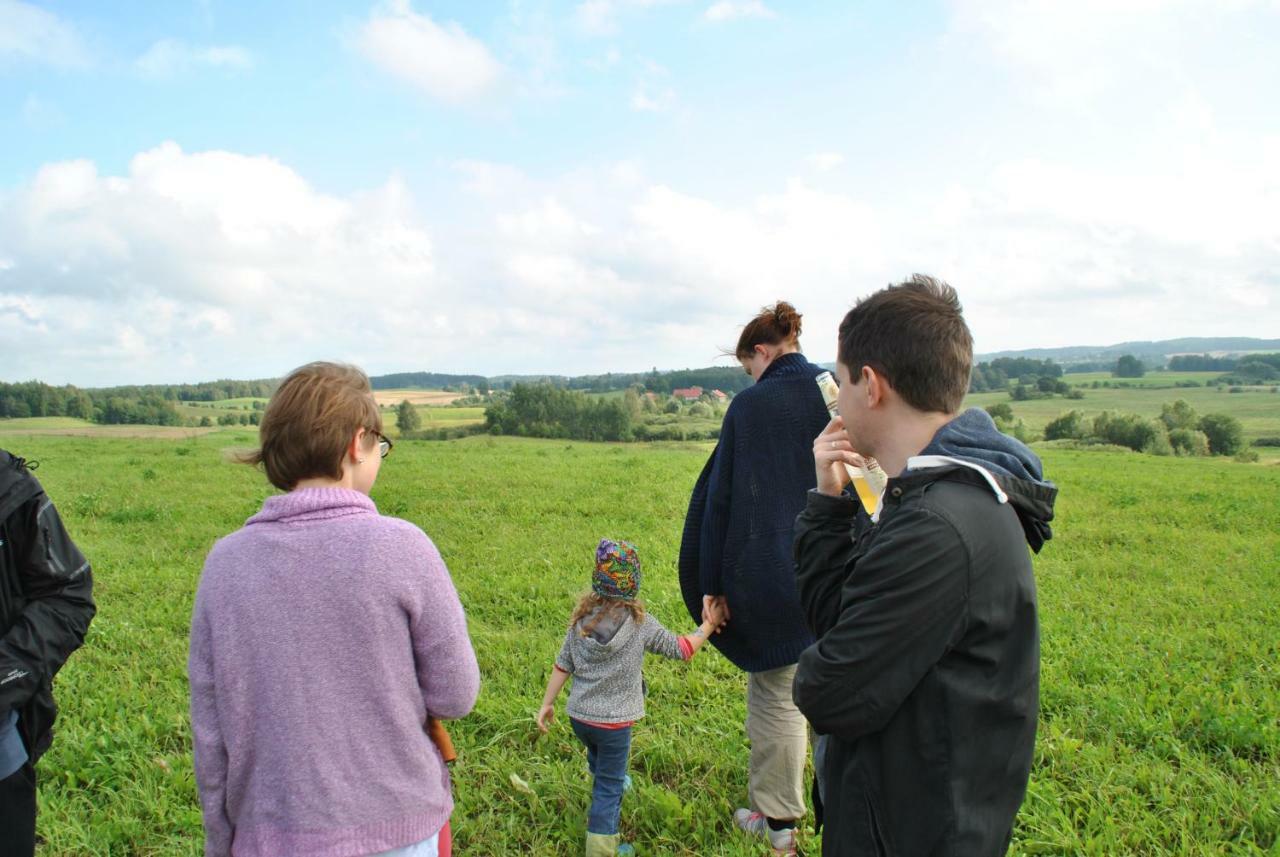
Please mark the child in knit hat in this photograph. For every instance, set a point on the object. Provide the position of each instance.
(603, 650)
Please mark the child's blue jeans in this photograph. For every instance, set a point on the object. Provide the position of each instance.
(607, 754)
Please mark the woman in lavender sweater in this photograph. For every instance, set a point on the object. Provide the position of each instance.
(324, 636)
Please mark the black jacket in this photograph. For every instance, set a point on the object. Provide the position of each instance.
(46, 601)
(926, 670)
(741, 518)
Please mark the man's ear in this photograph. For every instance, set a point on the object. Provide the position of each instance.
(876, 386)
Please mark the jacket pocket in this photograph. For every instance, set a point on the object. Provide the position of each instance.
(883, 848)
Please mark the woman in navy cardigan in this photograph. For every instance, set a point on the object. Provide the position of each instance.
(737, 547)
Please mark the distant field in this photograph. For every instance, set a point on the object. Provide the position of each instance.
(1160, 694)
(1151, 379)
(70, 427)
(416, 397)
(1257, 409)
(438, 417)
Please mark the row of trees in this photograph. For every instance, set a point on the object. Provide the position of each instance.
(1179, 430)
(999, 373)
(37, 399)
(543, 410)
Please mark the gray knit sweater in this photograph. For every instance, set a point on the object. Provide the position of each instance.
(606, 663)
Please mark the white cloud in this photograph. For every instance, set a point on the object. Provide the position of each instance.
(441, 60)
(215, 264)
(172, 56)
(31, 34)
(602, 17)
(731, 10)
(234, 259)
(825, 161)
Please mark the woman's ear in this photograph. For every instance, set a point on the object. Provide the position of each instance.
(354, 448)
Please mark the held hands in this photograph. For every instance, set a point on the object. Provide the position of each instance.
(715, 610)
(831, 452)
(546, 714)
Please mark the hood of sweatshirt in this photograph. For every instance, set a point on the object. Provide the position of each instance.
(1010, 468)
(606, 629)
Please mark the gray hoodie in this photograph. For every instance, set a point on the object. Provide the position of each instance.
(606, 662)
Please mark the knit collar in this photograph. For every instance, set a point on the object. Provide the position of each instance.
(785, 364)
(313, 504)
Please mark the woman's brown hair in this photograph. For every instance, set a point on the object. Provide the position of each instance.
(309, 421)
(774, 325)
(591, 601)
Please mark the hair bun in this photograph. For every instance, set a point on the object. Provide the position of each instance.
(787, 319)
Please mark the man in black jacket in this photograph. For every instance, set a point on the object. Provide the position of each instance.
(46, 603)
(925, 673)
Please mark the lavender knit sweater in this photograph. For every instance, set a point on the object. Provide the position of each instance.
(322, 637)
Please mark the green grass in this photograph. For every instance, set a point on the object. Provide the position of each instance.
(1258, 412)
(1151, 379)
(19, 424)
(434, 416)
(1160, 727)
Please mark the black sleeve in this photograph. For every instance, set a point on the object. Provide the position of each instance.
(57, 585)
(715, 517)
(899, 613)
(822, 549)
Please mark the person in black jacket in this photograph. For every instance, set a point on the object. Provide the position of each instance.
(925, 673)
(736, 548)
(46, 603)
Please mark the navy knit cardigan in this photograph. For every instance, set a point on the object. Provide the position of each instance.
(738, 531)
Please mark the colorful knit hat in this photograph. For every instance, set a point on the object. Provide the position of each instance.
(617, 573)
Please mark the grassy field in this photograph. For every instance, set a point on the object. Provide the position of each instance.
(1258, 411)
(1160, 727)
(437, 417)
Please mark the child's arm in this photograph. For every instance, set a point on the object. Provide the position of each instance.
(660, 641)
(713, 618)
(547, 712)
(559, 675)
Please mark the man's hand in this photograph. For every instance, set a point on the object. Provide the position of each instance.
(831, 452)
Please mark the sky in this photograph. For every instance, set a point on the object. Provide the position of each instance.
(202, 190)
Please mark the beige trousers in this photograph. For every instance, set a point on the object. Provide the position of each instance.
(779, 744)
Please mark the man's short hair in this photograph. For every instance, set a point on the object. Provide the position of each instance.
(309, 421)
(913, 335)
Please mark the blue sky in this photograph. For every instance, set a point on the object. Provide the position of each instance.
(213, 189)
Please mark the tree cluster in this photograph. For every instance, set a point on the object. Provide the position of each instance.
(1179, 430)
(543, 410)
(998, 374)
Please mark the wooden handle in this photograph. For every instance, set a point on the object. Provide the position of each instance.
(440, 737)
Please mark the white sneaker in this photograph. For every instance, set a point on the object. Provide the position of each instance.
(782, 841)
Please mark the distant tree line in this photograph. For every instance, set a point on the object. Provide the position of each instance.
(37, 399)
(998, 374)
(728, 379)
(544, 410)
(429, 380)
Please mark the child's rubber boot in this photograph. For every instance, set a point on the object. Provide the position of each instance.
(603, 845)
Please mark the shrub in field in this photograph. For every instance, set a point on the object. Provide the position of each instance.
(1075, 393)
(1069, 425)
(701, 410)
(1267, 441)
(1178, 415)
(1128, 430)
(1189, 441)
(1000, 411)
(1226, 435)
(1247, 456)
(407, 418)
(1158, 443)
